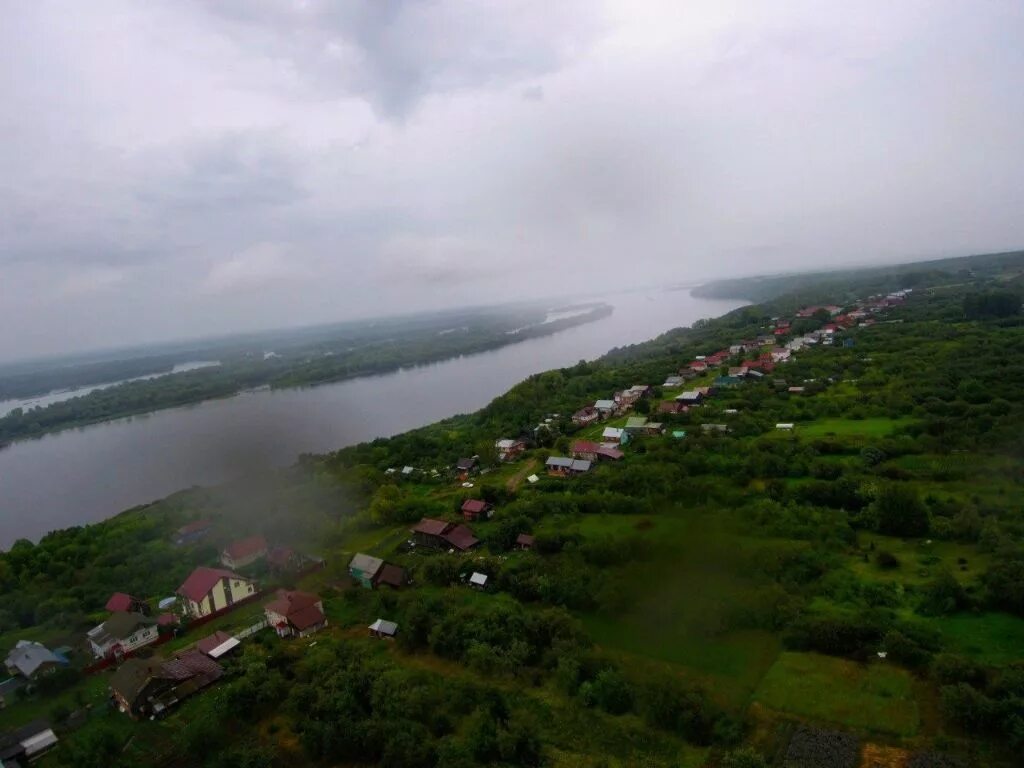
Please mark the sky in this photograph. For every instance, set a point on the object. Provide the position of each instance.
(179, 168)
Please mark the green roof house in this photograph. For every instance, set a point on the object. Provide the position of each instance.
(364, 568)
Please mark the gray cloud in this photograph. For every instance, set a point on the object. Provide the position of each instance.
(182, 168)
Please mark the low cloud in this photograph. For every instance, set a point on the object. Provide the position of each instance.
(261, 266)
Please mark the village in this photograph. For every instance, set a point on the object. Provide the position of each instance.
(155, 654)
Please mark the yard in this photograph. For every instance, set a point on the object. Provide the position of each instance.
(876, 697)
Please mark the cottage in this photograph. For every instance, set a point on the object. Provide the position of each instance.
(709, 428)
(690, 398)
(29, 659)
(562, 466)
(585, 416)
(440, 534)
(614, 435)
(27, 744)
(217, 645)
(383, 630)
(478, 580)
(673, 381)
(509, 450)
(393, 576)
(192, 532)
(122, 633)
(635, 425)
(244, 552)
(653, 428)
(364, 569)
(208, 590)
(584, 449)
(474, 509)
(698, 366)
(524, 542)
(464, 466)
(149, 688)
(606, 408)
(119, 601)
(295, 613)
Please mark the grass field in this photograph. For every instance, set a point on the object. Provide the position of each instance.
(876, 427)
(990, 638)
(876, 697)
(920, 561)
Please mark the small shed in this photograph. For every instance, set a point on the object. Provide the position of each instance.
(364, 568)
(525, 542)
(478, 580)
(383, 630)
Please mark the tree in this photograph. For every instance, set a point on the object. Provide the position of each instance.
(900, 511)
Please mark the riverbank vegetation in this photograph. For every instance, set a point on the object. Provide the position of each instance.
(844, 592)
(368, 348)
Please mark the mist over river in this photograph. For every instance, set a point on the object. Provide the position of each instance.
(87, 474)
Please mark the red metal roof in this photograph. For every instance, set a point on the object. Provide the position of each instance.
(431, 527)
(243, 548)
(202, 580)
(474, 506)
(584, 446)
(210, 642)
(525, 539)
(119, 601)
(461, 537)
(288, 603)
(306, 618)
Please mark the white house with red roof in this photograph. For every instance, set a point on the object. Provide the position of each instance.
(239, 554)
(295, 613)
(208, 590)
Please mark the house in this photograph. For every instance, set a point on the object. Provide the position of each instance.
(780, 354)
(673, 381)
(383, 630)
(464, 466)
(738, 371)
(653, 428)
(562, 466)
(478, 580)
(509, 450)
(364, 569)
(30, 660)
(239, 554)
(690, 397)
(672, 406)
(727, 381)
(585, 416)
(393, 576)
(606, 408)
(218, 644)
(295, 613)
(119, 601)
(208, 590)
(525, 542)
(585, 449)
(440, 534)
(698, 366)
(122, 633)
(635, 424)
(474, 509)
(192, 532)
(687, 373)
(26, 744)
(709, 428)
(639, 391)
(148, 688)
(614, 435)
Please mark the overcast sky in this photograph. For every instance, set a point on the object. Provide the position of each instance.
(174, 168)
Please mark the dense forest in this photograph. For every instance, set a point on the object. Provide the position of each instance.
(376, 348)
(844, 591)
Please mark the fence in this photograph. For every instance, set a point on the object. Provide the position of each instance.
(250, 631)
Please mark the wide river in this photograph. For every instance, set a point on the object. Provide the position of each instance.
(84, 475)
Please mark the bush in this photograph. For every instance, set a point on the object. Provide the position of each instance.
(887, 560)
(608, 691)
(900, 511)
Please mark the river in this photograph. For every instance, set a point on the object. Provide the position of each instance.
(88, 474)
